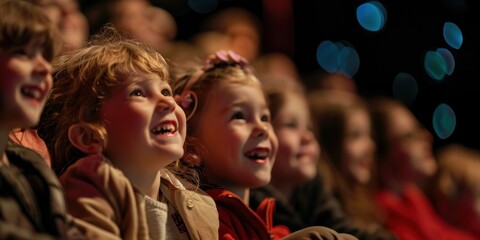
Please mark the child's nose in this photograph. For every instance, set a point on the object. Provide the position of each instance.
(260, 130)
(41, 65)
(307, 137)
(166, 104)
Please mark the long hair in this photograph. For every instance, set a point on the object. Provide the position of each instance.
(330, 111)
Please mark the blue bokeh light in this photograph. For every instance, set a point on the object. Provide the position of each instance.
(348, 61)
(372, 16)
(452, 35)
(338, 57)
(327, 56)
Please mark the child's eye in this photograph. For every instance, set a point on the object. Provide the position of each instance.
(19, 52)
(166, 92)
(265, 118)
(137, 93)
(355, 134)
(237, 115)
(290, 125)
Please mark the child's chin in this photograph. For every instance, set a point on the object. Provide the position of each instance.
(261, 181)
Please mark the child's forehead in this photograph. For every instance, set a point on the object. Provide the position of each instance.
(234, 85)
(39, 41)
(231, 95)
(137, 76)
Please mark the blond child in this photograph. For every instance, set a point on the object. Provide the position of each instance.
(32, 204)
(229, 116)
(115, 134)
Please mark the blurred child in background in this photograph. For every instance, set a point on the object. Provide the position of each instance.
(32, 204)
(406, 164)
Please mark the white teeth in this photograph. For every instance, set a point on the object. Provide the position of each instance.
(257, 154)
(164, 128)
(31, 92)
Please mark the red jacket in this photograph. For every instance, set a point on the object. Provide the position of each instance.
(412, 217)
(238, 221)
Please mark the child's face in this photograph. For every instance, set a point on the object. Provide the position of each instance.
(235, 128)
(145, 127)
(71, 22)
(298, 150)
(25, 80)
(410, 145)
(359, 147)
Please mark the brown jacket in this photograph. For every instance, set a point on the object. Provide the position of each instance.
(32, 203)
(109, 207)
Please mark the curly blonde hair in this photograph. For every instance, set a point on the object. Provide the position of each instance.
(83, 79)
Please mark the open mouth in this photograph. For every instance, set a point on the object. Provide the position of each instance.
(258, 154)
(165, 128)
(32, 92)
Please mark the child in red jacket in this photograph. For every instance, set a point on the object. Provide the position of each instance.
(232, 122)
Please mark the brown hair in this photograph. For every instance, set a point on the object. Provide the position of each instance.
(22, 23)
(330, 109)
(380, 109)
(278, 89)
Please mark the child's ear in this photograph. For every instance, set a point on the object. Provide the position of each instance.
(85, 139)
(188, 102)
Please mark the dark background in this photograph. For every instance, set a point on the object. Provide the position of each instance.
(412, 29)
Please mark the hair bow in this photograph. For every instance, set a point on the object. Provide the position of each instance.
(224, 57)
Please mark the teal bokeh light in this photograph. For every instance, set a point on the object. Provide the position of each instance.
(444, 121)
(449, 60)
(338, 57)
(372, 16)
(203, 6)
(435, 65)
(452, 35)
(327, 56)
(405, 88)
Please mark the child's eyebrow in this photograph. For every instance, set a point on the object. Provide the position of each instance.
(151, 79)
(243, 104)
(145, 78)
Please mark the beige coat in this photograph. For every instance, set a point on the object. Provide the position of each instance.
(109, 207)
